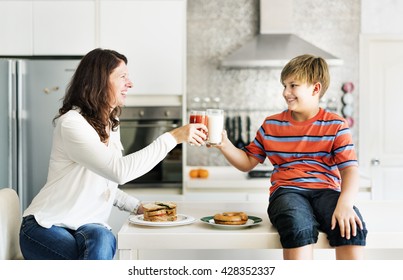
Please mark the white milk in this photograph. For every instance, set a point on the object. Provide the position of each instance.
(215, 125)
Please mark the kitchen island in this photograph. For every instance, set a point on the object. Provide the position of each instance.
(132, 238)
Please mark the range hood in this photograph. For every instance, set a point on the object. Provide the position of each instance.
(276, 44)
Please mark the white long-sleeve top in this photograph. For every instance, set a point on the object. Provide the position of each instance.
(84, 173)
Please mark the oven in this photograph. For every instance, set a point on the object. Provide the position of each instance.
(139, 126)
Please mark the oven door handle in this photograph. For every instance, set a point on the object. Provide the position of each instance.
(173, 125)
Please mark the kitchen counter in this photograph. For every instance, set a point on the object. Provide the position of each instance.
(198, 235)
(224, 177)
(230, 179)
(383, 233)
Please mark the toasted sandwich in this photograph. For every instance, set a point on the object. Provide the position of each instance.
(160, 212)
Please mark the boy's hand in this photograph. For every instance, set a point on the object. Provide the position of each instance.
(347, 219)
(223, 141)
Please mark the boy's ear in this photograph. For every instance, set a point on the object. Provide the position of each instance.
(317, 88)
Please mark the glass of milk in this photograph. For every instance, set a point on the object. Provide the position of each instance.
(215, 126)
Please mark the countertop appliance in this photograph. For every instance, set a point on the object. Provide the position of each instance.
(140, 126)
(276, 44)
(30, 96)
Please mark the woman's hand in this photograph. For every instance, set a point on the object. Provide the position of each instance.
(140, 210)
(193, 133)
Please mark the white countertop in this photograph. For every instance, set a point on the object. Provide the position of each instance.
(383, 233)
(228, 177)
(224, 177)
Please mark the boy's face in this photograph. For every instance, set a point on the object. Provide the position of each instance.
(301, 97)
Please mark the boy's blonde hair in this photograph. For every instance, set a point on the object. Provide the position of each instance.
(308, 68)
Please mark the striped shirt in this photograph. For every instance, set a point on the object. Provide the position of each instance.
(306, 154)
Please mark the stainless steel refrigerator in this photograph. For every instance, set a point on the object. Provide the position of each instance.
(31, 92)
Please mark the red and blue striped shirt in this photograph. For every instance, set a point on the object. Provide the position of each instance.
(307, 154)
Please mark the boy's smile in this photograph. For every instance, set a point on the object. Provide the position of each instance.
(302, 99)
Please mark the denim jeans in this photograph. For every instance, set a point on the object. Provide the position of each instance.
(299, 215)
(88, 242)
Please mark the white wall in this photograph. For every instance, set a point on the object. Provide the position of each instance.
(381, 17)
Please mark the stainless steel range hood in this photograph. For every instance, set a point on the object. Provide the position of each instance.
(276, 44)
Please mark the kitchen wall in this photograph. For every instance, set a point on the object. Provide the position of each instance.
(381, 17)
(217, 28)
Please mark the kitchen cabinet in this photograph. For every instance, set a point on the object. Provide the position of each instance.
(47, 27)
(16, 28)
(63, 27)
(152, 34)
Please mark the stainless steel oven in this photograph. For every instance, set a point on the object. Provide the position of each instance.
(139, 127)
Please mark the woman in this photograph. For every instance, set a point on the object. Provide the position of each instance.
(68, 217)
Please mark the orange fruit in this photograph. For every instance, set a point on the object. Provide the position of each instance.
(203, 173)
(194, 173)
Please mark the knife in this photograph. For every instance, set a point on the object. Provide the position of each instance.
(248, 139)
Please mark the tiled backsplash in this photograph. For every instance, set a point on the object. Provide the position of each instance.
(218, 27)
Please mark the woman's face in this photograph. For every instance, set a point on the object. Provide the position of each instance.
(120, 83)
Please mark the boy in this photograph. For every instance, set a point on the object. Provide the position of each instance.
(315, 176)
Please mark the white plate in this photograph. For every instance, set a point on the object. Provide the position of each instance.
(252, 221)
(181, 220)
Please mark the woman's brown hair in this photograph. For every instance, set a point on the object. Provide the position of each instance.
(89, 90)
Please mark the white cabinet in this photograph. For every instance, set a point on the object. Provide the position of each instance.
(47, 27)
(64, 27)
(16, 28)
(152, 34)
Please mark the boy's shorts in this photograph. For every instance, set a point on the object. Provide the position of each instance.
(299, 215)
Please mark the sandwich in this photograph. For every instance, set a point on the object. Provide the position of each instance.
(160, 212)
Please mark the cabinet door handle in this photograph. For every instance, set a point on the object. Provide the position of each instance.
(375, 162)
(49, 90)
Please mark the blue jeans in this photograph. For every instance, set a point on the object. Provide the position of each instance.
(299, 215)
(88, 242)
